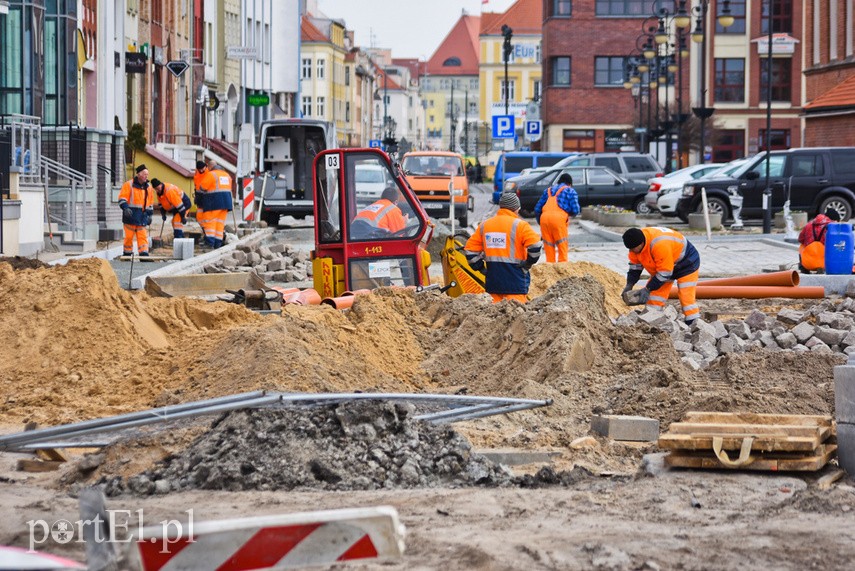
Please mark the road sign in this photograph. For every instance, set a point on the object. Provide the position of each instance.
(241, 52)
(258, 99)
(533, 130)
(503, 126)
(249, 199)
(177, 67)
(375, 144)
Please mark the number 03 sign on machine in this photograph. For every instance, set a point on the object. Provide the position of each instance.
(332, 162)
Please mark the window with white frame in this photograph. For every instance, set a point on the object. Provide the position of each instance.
(321, 106)
(307, 68)
(322, 66)
(306, 108)
(536, 90)
(508, 89)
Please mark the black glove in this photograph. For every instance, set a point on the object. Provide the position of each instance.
(163, 215)
(148, 219)
(124, 205)
(626, 289)
(643, 296)
(183, 219)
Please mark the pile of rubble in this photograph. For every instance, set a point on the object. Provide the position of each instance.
(827, 327)
(273, 263)
(364, 445)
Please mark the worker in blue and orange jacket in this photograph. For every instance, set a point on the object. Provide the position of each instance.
(553, 211)
(214, 198)
(505, 247)
(667, 256)
(172, 201)
(381, 218)
(136, 200)
(812, 241)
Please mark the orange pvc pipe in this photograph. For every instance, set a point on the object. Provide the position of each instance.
(755, 292)
(356, 292)
(343, 302)
(785, 278)
(305, 297)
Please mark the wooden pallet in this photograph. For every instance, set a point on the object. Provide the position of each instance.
(750, 441)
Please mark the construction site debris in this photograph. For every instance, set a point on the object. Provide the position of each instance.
(272, 262)
(544, 276)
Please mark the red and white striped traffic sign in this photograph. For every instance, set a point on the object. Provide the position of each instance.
(273, 542)
(19, 559)
(249, 199)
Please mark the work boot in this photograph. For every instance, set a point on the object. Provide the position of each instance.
(127, 253)
(143, 254)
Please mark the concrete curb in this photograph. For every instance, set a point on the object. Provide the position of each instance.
(833, 284)
(597, 230)
(196, 263)
(107, 254)
(780, 244)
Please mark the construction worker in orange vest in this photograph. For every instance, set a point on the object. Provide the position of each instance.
(172, 201)
(201, 216)
(136, 200)
(553, 211)
(812, 241)
(505, 247)
(214, 197)
(667, 256)
(381, 218)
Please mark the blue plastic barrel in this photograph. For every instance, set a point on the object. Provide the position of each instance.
(839, 251)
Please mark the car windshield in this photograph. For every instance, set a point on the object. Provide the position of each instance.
(743, 167)
(727, 170)
(369, 175)
(433, 166)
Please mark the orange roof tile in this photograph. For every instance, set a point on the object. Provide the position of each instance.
(384, 81)
(310, 33)
(524, 17)
(416, 67)
(841, 95)
(461, 43)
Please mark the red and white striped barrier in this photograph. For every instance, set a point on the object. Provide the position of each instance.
(14, 558)
(249, 199)
(272, 542)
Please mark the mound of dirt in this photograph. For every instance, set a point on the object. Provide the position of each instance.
(544, 276)
(21, 263)
(352, 446)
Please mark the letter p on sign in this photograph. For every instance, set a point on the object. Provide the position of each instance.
(503, 126)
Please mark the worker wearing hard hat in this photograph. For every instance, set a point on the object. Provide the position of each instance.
(812, 241)
(505, 247)
(553, 211)
(172, 201)
(380, 218)
(214, 197)
(667, 256)
(137, 203)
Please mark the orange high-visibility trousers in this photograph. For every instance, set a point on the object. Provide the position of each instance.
(141, 235)
(520, 297)
(203, 218)
(686, 291)
(556, 237)
(177, 225)
(216, 224)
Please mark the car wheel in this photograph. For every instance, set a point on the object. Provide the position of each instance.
(715, 206)
(641, 207)
(272, 219)
(838, 203)
(464, 220)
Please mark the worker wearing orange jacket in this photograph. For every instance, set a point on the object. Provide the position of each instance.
(812, 241)
(214, 197)
(172, 201)
(667, 256)
(381, 218)
(505, 247)
(136, 200)
(553, 211)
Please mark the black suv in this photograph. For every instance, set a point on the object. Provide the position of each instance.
(816, 178)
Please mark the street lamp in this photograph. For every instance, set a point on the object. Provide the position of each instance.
(453, 129)
(508, 33)
(703, 112)
(767, 192)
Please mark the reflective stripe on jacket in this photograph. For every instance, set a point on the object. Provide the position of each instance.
(214, 190)
(505, 242)
(383, 214)
(139, 199)
(172, 199)
(667, 254)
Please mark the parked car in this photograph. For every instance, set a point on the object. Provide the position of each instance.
(675, 180)
(513, 163)
(668, 197)
(630, 165)
(429, 174)
(594, 185)
(814, 178)
(370, 181)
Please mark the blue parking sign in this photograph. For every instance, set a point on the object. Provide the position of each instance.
(503, 126)
(375, 144)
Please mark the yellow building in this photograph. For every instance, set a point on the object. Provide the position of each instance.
(324, 74)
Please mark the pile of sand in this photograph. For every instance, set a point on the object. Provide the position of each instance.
(544, 276)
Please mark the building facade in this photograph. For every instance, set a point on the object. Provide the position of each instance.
(325, 76)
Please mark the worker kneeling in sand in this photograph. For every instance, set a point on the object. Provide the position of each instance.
(505, 247)
(667, 256)
(812, 241)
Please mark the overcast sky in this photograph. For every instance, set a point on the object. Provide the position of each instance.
(411, 28)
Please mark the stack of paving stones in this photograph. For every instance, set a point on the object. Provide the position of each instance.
(272, 263)
(827, 327)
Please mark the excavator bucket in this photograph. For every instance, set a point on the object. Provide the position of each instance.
(455, 268)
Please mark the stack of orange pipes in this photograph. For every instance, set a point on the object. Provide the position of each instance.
(759, 286)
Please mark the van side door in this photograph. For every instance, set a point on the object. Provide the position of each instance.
(752, 188)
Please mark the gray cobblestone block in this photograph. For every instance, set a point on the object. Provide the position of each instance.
(275, 265)
(265, 253)
(826, 318)
(850, 289)
(727, 345)
(849, 340)
(803, 331)
(280, 277)
(813, 342)
(756, 320)
(837, 349)
(213, 269)
(277, 248)
(244, 269)
(631, 428)
(229, 263)
(628, 320)
(847, 304)
(682, 347)
(239, 256)
(719, 330)
(829, 336)
(800, 349)
(699, 337)
(843, 323)
(266, 276)
(755, 344)
(295, 276)
(245, 248)
(653, 317)
(768, 339)
(787, 340)
(707, 350)
(739, 328)
(822, 349)
(254, 258)
(701, 325)
(691, 363)
(671, 312)
(778, 329)
(302, 256)
(849, 350)
(790, 316)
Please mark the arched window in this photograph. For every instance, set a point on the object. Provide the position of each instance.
(451, 62)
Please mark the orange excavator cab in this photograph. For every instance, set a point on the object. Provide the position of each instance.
(370, 229)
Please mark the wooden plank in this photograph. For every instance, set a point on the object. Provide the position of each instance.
(755, 418)
(51, 454)
(765, 429)
(764, 462)
(829, 479)
(146, 258)
(28, 465)
(734, 442)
